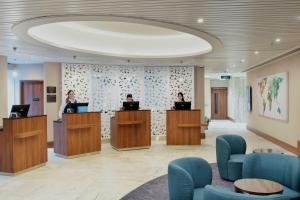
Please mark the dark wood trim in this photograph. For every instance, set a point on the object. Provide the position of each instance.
(203, 135)
(286, 146)
(230, 119)
(50, 144)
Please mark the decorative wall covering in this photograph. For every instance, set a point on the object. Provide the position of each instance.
(106, 87)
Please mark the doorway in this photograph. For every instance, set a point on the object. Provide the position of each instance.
(32, 92)
(219, 103)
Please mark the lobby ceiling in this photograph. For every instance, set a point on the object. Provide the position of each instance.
(251, 31)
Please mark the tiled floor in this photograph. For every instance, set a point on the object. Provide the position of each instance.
(112, 174)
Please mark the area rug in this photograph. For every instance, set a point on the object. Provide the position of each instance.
(157, 189)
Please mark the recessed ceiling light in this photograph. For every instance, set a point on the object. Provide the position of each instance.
(233, 66)
(200, 20)
(243, 60)
(277, 40)
(298, 18)
(256, 52)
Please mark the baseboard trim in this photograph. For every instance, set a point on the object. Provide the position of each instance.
(284, 145)
(230, 119)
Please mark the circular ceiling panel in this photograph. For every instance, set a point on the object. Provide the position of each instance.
(115, 38)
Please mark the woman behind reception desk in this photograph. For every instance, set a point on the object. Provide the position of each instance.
(70, 99)
(180, 97)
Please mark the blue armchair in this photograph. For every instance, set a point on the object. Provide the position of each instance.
(231, 151)
(219, 193)
(187, 177)
(284, 169)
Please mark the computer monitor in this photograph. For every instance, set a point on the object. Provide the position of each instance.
(183, 105)
(82, 107)
(19, 110)
(134, 105)
(76, 108)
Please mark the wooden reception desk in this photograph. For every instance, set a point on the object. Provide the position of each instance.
(131, 130)
(183, 127)
(23, 144)
(77, 134)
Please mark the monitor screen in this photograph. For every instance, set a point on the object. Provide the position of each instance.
(21, 110)
(183, 105)
(134, 105)
(76, 108)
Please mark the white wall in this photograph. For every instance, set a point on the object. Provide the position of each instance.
(237, 99)
(24, 72)
(218, 83)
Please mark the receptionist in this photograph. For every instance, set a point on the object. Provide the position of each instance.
(129, 98)
(70, 99)
(180, 97)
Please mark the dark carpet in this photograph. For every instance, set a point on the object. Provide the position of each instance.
(157, 189)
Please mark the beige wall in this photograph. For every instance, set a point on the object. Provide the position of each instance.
(3, 88)
(199, 90)
(52, 78)
(287, 131)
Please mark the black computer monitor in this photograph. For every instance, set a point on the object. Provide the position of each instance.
(183, 105)
(134, 105)
(76, 108)
(19, 110)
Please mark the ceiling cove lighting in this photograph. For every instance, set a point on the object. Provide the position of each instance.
(121, 39)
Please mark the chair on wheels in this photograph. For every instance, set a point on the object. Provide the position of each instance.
(231, 151)
(187, 178)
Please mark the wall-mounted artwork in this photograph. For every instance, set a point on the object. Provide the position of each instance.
(51, 89)
(51, 98)
(272, 96)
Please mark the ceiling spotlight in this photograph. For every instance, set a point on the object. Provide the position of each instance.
(277, 40)
(256, 52)
(233, 66)
(15, 48)
(200, 20)
(243, 60)
(74, 57)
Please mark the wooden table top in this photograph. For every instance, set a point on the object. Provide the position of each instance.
(257, 186)
(267, 150)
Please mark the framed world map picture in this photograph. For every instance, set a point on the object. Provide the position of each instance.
(272, 96)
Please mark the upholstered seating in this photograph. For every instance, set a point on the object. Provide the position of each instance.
(284, 169)
(219, 193)
(230, 156)
(187, 177)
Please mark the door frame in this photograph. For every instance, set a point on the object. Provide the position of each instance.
(32, 81)
(211, 101)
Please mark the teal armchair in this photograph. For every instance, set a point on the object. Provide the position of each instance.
(219, 193)
(230, 150)
(281, 168)
(187, 177)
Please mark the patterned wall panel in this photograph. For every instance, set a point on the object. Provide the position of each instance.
(106, 87)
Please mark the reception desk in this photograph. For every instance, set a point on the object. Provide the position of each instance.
(131, 130)
(183, 127)
(23, 144)
(77, 134)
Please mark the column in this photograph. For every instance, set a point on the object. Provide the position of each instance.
(3, 88)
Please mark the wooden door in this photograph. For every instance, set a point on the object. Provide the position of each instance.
(219, 103)
(32, 92)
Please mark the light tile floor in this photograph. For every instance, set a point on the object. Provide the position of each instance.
(112, 174)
